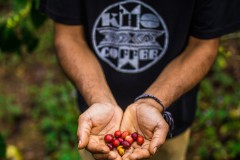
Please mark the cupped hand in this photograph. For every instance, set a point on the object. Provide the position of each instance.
(148, 122)
(97, 121)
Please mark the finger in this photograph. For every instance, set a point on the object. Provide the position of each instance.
(111, 155)
(127, 153)
(126, 124)
(159, 137)
(123, 126)
(97, 147)
(134, 148)
(139, 153)
(84, 129)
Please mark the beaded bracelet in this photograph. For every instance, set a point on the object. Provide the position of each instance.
(166, 115)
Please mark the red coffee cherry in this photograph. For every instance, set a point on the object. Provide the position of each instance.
(120, 140)
(134, 136)
(125, 134)
(140, 140)
(117, 134)
(115, 143)
(108, 138)
(126, 144)
(110, 146)
(129, 139)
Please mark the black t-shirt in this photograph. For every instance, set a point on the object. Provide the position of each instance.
(134, 40)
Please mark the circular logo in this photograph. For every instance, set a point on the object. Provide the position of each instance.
(130, 36)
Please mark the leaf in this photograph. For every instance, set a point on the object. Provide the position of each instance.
(29, 39)
(36, 17)
(18, 4)
(2, 148)
(10, 42)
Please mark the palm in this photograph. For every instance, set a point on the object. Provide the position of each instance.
(96, 122)
(104, 121)
(146, 120)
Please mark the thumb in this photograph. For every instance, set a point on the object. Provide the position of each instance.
(84, 130)
(126, 123)
(159, 137)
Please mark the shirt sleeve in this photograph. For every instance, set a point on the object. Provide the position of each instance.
(62, 11)
(214, 18)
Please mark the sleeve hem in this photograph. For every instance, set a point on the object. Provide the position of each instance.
(60, 19)
(216, 33)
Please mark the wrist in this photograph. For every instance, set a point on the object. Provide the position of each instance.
(102, 99)
(151, 103)
(97, 94)
(151, 100)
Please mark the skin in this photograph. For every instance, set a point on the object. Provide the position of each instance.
(81, 66)
(94, 124)
(148, 122)
(144, 116)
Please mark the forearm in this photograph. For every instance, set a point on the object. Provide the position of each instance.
(82, 67)
(185, 71)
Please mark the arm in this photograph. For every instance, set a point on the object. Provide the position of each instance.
(184, 72)
(81, 65)
(179, 76)
(103, 115)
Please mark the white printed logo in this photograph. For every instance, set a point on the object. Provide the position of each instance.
(130, 36)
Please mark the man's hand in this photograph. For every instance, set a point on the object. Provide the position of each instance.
(99, 120)
(147, 121)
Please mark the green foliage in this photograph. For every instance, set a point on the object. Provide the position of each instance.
(13, 112)
(54, 109)
(57, 116)
(18, 28)
(2, 148)
(218, 117)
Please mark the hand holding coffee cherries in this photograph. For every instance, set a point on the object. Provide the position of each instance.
(144, 131)
(147, 121)
(97, 121)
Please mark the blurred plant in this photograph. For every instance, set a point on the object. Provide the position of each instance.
(57, 114)
(13, 153)
(2, 148)
(8, 107)
(18, 25)
(216, 130)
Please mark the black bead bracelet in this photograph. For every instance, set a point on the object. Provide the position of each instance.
(166, 115)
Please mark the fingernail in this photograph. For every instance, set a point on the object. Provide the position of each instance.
(79, 143)
(154, 150)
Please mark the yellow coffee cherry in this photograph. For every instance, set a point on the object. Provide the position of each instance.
(120, 150)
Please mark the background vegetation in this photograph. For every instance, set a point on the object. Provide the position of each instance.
(38, 113)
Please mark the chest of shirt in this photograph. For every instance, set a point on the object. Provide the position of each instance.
(133, 35)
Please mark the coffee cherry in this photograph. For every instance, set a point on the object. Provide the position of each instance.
(115, 143)
(120, 140)
(108, 138)
(126, 144)
(117, 134)
(140, 140)
(129, 139)
(110, 146)
(120, 150)
(134, 136)
(125, 134)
